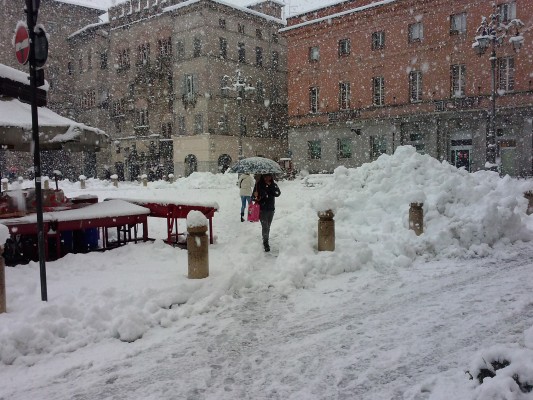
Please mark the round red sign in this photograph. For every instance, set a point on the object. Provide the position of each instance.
(22, 44)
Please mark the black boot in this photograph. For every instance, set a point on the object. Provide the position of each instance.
(242, 217)
(266, 245)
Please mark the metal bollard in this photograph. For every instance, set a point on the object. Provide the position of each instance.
(5, 184)
(20, 180)
(529, 196)
(3, 304)
(82, 181)
(198, 253)
(416, 218)
(326, 231)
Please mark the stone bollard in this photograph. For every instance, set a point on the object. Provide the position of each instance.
(20, 180)
(114, 179)
(197, 245)
(416, 218)
(82, 181)
(171, 178)
(326, 231)
(145, 180)
(46, 184)
(5, 184)
(529, 196)
(3, 304)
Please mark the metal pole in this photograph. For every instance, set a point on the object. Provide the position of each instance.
(239, 104)
(36, 150)
(491, 137)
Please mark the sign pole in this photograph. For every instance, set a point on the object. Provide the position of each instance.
(31, 14)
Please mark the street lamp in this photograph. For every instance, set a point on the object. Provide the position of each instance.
(239, 84)
(491, 33)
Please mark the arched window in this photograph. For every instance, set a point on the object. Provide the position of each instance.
(224, 161)
(191, 164)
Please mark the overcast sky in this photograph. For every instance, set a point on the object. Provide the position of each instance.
(291, 6)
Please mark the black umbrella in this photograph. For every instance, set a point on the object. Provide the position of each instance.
(256, 165)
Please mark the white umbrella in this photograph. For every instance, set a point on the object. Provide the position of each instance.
(256, 165)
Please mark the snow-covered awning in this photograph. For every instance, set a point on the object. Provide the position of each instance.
(55, 132)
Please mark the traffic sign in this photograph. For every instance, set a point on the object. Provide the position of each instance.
(22, 44)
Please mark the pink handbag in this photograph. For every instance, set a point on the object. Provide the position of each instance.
(253, 212)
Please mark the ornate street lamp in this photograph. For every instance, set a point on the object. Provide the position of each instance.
(492, 33)
(241, 85)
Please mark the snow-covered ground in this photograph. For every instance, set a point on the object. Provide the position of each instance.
(387, 315)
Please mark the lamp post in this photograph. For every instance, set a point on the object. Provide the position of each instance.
(491, 33)
(240, 84)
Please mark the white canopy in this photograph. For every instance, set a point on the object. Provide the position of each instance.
(55, 132)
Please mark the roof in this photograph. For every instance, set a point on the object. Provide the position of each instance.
(17, 76)
(86, 3)
(338, 15)
(54, 130)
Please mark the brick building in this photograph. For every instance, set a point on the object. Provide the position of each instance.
(60, 18)
(160, 77)
(367, 76)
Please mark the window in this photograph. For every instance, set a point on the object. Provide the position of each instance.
(180, 49)
(458, 24)
(378, 40)
(415, 86)
(507, 11)
(223, 123)
(223, 47)
(416, 32)
(242, 53)
(197, 47)
(275, 99)
(124, 59)
(275, 38)
(378, 91)
(259, 91)
(189, 86)
(259, 33)
(142, 117)
(165, 47)
(240, 28)
(314, 150)
(103, 60)
(89, 60)
(275, 60)
(181, 125)
(225, 86)
(143, 54)
(344, 95)
(344, 47)
(416, 139)
(506, 74)
(166, 130)
(80, 64)
(70, 68)
(131, 89)
(378, 146)
(458, 80)
(198, 123)
(314, 53)
(344, 148)
(243, 126)
(222, 23)
(313, 99)
(259, 56)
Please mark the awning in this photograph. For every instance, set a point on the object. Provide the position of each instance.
(55, 132)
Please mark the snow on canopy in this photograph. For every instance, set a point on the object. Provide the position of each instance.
(18, 76)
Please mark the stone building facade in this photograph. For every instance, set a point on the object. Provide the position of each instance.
(367, 76)
(59, 19)
(163, 78)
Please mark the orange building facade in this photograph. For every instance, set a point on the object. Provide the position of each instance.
(365, 77)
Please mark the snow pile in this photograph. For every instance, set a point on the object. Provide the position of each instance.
(464, 213)
(207, 180)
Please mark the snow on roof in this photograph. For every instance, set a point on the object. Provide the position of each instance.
(18, 76)
(337, 15)
(243, 9)
(84, 3)
(88, 27)
(266, 1)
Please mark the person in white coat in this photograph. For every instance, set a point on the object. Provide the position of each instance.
(246, 183)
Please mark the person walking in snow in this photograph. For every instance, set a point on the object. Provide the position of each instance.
(246, 184)
(265, 193)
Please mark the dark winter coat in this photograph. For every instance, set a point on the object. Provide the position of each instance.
(267, 195)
